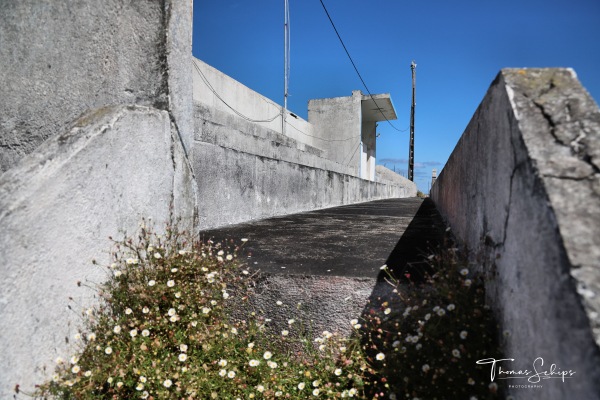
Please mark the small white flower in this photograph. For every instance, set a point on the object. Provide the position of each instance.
(77, 336)
(342, 349)
(279, 303)
(315, 392)
(151, 282)
(291, 321)
(427, 316)
(220, 253)
(380, 356)
(91, 337)
(301, 385)
(383, 267)
(451, 307)
(231, 374)
(425, 367)
(88, 373)
(183, 347)
(338, 372)
(464, 272)
(260, 388)
(128, 311)
(177, 295)
(223, 372)
(353, 322)
(250, 345)
(285, 332)
(150, 249)
(468, 282)
(463, 335)
(108, 350)
(470, 381)
(205, 310)
(157, 256)
(244, 240)
(229, 257)
(117, 329)
(456, 353)
(272, 364)
(172, 312)
(267, 355)
(145, 333)
(170, 283)
(351, 392)
(133, 332)
(222, 363)
(139, 387)
(316, 383)
(74, 360)
(387, 311)
(167, 383)
(254, 363)
(182, 252)
(357, 326)
(145, 310)
(234, 331)
(396, 343)
(441, 312)
(245, 272)
(75, 369)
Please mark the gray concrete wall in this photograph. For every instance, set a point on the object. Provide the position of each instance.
(522, 191)
(58, 206)
(95, 123)
(59, 59)
(236, 186)
(210, 82)
(341, 145)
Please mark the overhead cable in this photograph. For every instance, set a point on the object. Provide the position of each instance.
(356, 69)
(224, 102)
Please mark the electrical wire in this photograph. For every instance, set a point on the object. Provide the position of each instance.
(316, 137)
(356, 69)
(224, 102)
(350, 159)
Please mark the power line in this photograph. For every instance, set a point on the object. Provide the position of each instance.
(356, 69)
(319, 138)
(224, 102)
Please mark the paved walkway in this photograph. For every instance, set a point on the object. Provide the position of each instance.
(353, 240)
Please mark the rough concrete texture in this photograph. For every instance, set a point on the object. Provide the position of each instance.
(58, 207)
(236, 96)
(325, 265)
(341, 144)
(386, 175)
(59, 59)
(231, 132)
(521, 191)
(235, 187)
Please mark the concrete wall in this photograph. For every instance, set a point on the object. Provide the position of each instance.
(343, 144)
(250, 170)
(75, 57)
(522, 191)
(95, 118)
(236, 96)
(236, 186)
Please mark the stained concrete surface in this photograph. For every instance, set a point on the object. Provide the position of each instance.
(349, 241)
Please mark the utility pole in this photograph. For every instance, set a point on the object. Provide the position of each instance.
(411, 145)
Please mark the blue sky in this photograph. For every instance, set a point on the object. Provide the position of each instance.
(459, 47)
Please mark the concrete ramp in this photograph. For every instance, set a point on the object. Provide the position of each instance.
(328, 261)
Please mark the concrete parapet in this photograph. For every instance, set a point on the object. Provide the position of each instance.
(58, 207)
(522, 191)
(59, 59)
(236, 186)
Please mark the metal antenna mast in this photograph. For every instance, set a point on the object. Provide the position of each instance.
(286, 62)
(411, 146)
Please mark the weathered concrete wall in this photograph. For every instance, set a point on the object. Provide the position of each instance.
(234, 95)
(236, 186)
(95, 123)
(58, 207)
(59, 59)
(386, 175)
(341, 145)
(522, 191)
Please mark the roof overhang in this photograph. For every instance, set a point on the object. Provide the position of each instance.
(378, 107)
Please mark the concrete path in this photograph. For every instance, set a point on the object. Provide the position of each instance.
(348, 241)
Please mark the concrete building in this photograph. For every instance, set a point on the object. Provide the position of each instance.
(346, 128)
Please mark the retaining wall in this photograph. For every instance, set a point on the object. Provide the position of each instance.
(522, 191)
(95, 118)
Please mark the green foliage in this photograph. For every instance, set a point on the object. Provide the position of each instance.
(164, 330)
